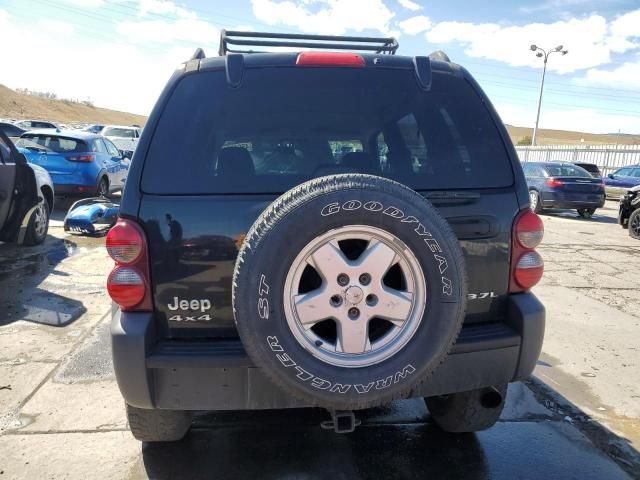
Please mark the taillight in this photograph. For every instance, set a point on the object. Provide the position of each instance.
(129, 282)
(81, 158)
(126, 287)
(527, 265)
(529, 229)
(554, 182)
(125, 242)
(330, 59)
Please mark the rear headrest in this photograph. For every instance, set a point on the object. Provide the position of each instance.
(360, 161)
(235, 161)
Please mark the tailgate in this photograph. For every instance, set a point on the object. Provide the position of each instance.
(194, 241)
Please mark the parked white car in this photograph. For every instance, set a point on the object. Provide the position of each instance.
(125, 138)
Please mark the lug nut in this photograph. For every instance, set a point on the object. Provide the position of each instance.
(335, 300)
(343, 279)
(354, 313)
(371, 300)
(365, 279)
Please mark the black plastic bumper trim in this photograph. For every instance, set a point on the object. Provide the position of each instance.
(230, 353)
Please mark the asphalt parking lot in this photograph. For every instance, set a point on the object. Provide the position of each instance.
(61, 414)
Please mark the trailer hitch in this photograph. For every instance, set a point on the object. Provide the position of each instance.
(342, 421)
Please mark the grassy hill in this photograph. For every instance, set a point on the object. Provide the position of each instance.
(565, 137)
(15, 105)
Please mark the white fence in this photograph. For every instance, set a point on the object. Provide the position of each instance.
(607, 157)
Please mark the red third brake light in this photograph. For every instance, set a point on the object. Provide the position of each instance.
(329, 59)
(129, 282)
(527, 265)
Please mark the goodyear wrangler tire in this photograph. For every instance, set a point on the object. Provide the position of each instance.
(349, 290)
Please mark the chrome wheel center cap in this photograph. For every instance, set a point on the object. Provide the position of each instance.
(354, 295)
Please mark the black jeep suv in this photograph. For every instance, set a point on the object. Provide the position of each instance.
(321, 228)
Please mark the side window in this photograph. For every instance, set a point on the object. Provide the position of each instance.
(635, 173)
(624, 172)
(526, 168)
(111, 148)
(99, 146)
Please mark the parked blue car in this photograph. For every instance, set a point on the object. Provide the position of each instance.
(563, 185)
(618, 182)
(80, 163)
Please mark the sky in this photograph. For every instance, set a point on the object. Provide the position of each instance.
(120, 53)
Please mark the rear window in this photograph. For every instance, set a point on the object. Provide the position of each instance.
(119, 132)
(52, 143)
(566, 171)
(591, 168)
(286, 125)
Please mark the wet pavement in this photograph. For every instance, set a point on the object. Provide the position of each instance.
(62, 416)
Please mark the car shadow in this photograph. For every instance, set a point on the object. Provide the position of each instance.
(573, 215)
(289, 444)
(22, 271)
(399, 441)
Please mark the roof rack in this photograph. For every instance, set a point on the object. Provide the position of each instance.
(260, 39)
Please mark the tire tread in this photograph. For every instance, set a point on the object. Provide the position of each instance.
(158, 425)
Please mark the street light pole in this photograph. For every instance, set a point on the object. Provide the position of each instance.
(545, 54)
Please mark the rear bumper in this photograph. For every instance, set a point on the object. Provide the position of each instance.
(74, 189)
(220, 376)
(562, 200)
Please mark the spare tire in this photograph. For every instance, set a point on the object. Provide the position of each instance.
(349, 290)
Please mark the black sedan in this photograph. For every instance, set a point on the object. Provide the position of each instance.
(563, 185)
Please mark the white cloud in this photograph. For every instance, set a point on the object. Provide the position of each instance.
(126, 78)
(409, 5)
(332, 17)
(557, 6)
(86, 3)
(56, 26)
(184, 27)
(625, 76)
(242, 28)
(163, 7)
(625, 32)
(587, 40)
(415, 25)
(164, 31)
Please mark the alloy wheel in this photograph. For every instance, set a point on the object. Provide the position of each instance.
(40, 220)
(354, 296)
